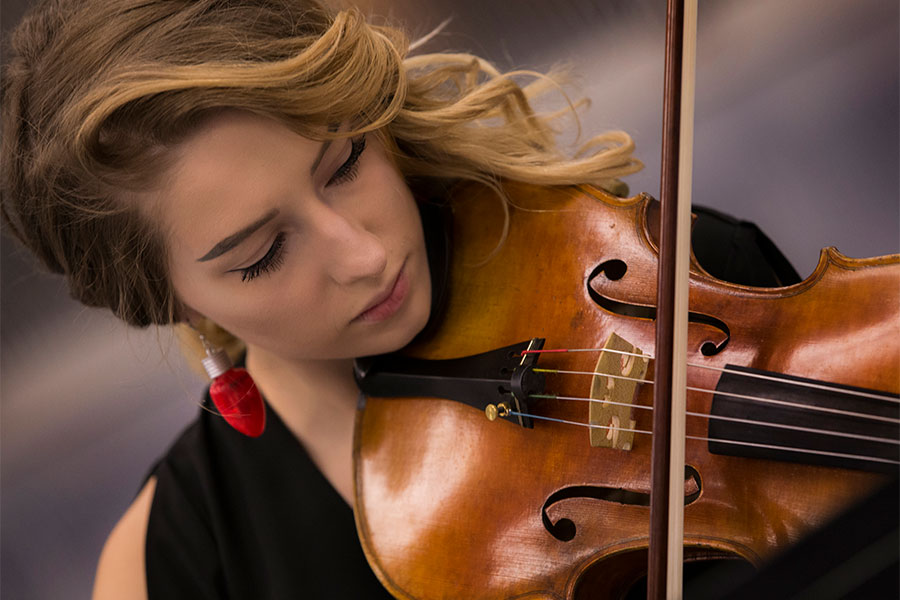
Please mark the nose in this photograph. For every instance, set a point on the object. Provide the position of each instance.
(351, 251)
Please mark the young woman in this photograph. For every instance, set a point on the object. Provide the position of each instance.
(253, 173)
(249, 167)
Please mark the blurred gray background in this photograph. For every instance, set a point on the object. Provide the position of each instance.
(796, 129)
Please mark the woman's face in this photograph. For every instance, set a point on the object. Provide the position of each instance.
(304, 249)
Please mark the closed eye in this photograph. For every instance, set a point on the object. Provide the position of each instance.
(272, 260)
(350, 168)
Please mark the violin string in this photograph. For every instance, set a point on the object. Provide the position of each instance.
(831, 432)
(806, 384)
(837, 411)
(721, 441)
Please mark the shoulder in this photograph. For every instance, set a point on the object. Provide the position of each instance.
(122, 567)
(121, 570)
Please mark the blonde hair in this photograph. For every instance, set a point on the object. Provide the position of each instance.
(97, 93)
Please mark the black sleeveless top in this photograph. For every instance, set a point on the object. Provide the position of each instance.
(235, 517)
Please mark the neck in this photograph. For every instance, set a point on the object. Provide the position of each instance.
(317, 376)
(316, 400)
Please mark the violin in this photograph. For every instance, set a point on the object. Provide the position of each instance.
(780, 435)
(524, 471)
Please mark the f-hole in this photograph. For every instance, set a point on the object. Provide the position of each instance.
(564, 529)
(614, 270)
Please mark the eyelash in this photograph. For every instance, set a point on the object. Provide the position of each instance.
(275, 256)
(272, 260)
(350, 169)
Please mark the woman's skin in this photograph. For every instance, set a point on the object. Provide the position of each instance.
(313, 254)
(335, 232)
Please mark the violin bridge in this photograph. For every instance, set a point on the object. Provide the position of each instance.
(619, 369)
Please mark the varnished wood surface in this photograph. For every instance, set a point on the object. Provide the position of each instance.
(449, 504)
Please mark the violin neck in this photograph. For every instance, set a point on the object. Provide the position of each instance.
(843, 426)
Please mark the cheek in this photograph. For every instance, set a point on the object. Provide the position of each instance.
(295, 312)
(399, 210)
(268, 315)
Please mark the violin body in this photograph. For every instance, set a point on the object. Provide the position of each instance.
(452, 505)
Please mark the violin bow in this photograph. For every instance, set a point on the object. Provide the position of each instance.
(664, 572)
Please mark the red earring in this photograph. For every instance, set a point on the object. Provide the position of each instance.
(234, 393)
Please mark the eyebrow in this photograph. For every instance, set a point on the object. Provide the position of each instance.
(236, 238)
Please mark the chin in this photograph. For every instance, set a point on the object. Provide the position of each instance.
(405, 332)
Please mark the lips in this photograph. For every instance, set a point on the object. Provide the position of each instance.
(387, 303)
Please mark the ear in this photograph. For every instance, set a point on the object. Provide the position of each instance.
(187, 315)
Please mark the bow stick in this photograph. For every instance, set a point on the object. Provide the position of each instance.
(666, 498)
